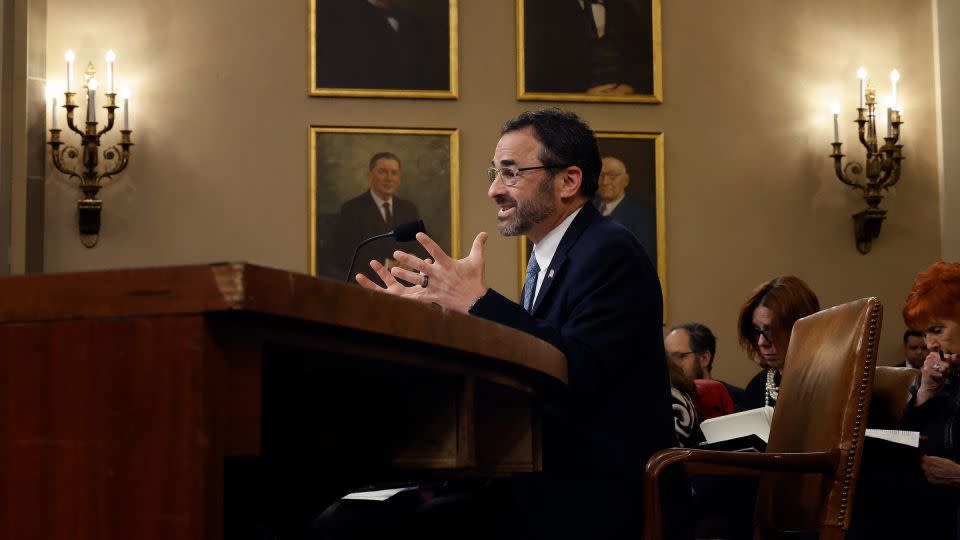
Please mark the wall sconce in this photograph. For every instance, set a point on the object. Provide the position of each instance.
(882, 169)
(86, 171)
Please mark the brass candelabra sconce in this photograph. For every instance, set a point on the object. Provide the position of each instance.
(881, 170)
(85, 168)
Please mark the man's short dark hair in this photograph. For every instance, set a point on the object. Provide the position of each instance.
(566, 140)
(383, 155)
(911, 333)
(701, 340)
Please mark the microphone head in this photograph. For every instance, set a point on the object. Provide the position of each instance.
(406, 232)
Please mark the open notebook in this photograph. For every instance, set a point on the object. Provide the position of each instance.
(750, 430)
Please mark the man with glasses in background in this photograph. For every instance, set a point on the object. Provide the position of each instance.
(693, 347)
(592, 292)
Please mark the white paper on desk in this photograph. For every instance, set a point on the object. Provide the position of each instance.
(908, 438)
(378, 495)
(741, 424)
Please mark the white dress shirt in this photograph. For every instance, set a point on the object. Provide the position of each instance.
(547, 248)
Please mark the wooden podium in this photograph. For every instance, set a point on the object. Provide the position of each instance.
(122, 393)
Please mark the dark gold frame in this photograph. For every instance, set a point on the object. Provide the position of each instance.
(656, 97)
(452, 93)
(661, 262)
(453, 134)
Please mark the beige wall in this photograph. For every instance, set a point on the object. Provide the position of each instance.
(947, 19)
(220, 117)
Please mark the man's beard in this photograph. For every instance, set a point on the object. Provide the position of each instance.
(529, 213)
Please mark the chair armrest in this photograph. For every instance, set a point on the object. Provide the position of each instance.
(723, 463)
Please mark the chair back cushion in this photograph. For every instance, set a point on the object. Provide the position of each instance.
(891, 394)
(822, 406)
(712, 399)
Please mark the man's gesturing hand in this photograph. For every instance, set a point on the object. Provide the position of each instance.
(453, 284)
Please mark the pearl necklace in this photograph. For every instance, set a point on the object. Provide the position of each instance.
(772, 390)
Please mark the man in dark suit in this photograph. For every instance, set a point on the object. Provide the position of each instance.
(371, 44)
(605, 46)
(612, 201)
(591, 292)
(376, 211)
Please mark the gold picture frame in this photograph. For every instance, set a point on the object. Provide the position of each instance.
(340, 181)
(641, 153)
(559, 67)
(360, 42)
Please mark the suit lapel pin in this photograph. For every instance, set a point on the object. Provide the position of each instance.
(551, 273)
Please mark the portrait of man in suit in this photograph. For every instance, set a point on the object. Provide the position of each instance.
(612, 201)
(376, 211)
(389, 45)
(605, 49)
(366, 182)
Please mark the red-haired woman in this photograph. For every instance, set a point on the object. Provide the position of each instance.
(934, 306)
(765, 322)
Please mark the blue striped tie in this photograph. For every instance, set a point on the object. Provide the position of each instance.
(530, 285)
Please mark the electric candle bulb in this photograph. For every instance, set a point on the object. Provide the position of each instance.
(110, 57)
(894, 79)
(836, 122)
(862, 75)
(900, 132)
(52, 92)
(889, 102)
(91, 100)
(125, 96)
(69, 57)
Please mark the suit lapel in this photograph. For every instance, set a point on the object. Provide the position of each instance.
(588, 214)
(376, 212)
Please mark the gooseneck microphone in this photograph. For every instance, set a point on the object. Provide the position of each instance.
(404, 232)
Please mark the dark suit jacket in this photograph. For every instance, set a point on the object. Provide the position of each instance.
(600, 303)
(639, 220)
(357, 48)
(736, 394)
(560, 56)
(360, 219)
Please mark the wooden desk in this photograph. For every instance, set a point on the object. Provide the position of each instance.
(122, 392)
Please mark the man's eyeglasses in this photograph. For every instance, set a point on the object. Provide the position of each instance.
(511, 175)
(756, 332)
(679, 356)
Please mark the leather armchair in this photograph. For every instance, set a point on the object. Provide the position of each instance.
(891, 394)
(808, 472)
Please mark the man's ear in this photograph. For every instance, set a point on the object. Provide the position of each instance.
(570, 180)
(705, 360)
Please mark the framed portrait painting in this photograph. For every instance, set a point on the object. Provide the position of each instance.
(589, 50)
(383, 48)
(366, 181)
(631, 193)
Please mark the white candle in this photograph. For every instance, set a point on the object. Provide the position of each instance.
(53, 113)
(125, 94)
(836, 122)
(69, 58)
(862, 75)
(110, 57)
(92, 100)
(900, 130)
(894, 78)
(889, 121)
